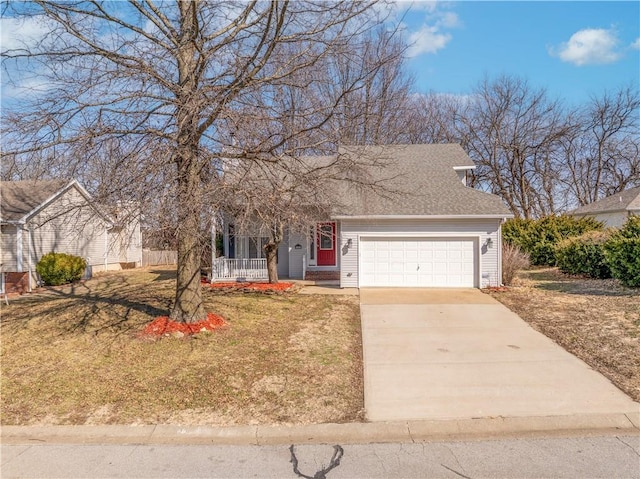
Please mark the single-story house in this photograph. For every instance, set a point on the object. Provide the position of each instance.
(428, 228)
(613, 210)
(39, 217)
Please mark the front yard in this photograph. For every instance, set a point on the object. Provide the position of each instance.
(74, 356)
(596, 320)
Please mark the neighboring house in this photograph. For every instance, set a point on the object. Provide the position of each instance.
(428, 230)
(613, 210)
(39, 217)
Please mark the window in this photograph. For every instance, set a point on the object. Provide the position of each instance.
(326, 237)
(256, 247)
(232, 242)
(312, 245)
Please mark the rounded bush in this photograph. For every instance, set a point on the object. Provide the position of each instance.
(538, 238)
(623, 253)
(584, 254)
(60, 268)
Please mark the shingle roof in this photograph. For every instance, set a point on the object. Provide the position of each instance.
(627, 200)
(417, 180)
(18, 198)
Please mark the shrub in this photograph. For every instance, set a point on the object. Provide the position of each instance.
(538, 238)
(513, 260)
(584, 254)
(623, 253)
(60, 268)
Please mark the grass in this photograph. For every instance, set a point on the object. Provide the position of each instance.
(596, 320)
(73, 356)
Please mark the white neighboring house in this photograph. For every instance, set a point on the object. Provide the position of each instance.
(434, 232)
(613, 210)
(39, 217)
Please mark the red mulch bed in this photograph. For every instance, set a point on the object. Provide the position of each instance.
(497, 289)
(251, 286)
(162, 326)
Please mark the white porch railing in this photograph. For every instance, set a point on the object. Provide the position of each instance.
(239, 269)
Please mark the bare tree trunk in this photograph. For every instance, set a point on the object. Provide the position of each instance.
(188, 305)
(271, 252)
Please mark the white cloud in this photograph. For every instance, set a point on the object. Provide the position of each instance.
(636, 45)
(431, 34)
(427, 40)
(590, 46)
(16, 33)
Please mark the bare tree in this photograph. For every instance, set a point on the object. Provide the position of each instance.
(602, 154)
(513, 132)
(168, 77)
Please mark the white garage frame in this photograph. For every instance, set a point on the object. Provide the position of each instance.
(477, 280)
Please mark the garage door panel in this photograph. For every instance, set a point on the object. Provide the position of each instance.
(424, 262)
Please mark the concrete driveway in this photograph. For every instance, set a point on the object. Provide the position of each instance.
(458, 353)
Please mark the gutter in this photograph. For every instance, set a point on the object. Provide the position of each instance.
(420, 217)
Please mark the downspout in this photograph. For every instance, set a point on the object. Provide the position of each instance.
(499, 246)
(213, 246)
(106, 248)
(30, 253)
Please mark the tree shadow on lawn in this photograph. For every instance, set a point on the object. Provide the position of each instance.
(164, 274)
(111, 305)
(554, 280)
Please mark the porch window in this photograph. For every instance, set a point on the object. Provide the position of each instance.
(254, 251)
(250, 247)
(232, 241)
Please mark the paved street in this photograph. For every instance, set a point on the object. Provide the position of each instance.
(592, 457)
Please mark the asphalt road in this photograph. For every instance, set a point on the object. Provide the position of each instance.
(576, 457)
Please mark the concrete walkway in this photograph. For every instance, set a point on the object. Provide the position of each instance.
(459, 354)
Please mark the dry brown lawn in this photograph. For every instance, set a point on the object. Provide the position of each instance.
(596, 320)
(74, 356)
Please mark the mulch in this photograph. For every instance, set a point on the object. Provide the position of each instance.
(163, 326)
(250, 286)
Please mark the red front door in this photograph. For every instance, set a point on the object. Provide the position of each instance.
(326, 244)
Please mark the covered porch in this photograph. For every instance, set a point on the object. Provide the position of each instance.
(300, 256)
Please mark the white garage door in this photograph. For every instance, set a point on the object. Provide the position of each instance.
(418, 262)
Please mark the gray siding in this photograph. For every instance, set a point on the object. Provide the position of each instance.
(484, 228)
(295, 255)
(283, 256)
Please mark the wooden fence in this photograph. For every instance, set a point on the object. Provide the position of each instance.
(157, 257)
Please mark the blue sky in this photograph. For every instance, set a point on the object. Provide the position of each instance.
(574, 49)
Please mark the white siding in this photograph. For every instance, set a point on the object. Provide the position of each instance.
(482, 228)
(66, 227)
(613, 220)
(8, 248)
(125, 244)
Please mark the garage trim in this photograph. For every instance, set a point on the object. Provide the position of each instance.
(436, 236)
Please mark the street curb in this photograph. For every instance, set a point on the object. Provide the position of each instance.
(351, 433)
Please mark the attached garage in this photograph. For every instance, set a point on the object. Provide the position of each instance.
(419, 262)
